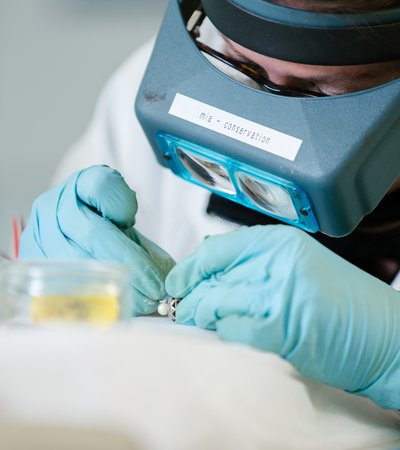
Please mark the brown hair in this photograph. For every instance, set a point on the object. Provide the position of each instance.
(340, 5)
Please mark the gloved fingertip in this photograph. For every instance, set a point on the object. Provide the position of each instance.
(143, 305)
(175, 283)
(189, 322)
(184, 316)
(152, 293)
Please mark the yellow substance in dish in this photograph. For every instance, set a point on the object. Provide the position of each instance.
(98, 309)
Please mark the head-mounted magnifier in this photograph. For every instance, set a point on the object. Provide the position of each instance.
(320, 163)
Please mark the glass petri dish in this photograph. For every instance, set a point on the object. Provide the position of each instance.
(64, 291)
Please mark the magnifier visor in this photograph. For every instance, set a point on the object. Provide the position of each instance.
(321, 164)
(239, 182)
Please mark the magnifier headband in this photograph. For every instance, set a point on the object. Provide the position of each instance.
(308, 37)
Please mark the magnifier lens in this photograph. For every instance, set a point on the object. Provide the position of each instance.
(268, 196)
(207, 172)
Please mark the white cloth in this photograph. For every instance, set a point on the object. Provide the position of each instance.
(171, 387)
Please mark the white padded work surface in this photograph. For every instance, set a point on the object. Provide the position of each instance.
(174, 387)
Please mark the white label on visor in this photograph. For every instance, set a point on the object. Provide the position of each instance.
(235, 127)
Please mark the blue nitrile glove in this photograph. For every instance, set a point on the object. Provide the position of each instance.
(278, 289)
(92, 215)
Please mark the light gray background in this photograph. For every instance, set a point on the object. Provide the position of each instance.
(55, 55)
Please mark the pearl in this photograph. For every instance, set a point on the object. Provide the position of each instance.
(163, 309)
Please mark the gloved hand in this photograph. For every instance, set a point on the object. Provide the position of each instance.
(278, 289)
(91, 215)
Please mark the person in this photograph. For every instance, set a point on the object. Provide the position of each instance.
(271, 286)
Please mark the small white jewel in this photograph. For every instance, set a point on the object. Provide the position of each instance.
(163, 308)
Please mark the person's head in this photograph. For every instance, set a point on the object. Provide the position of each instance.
(331, 80)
